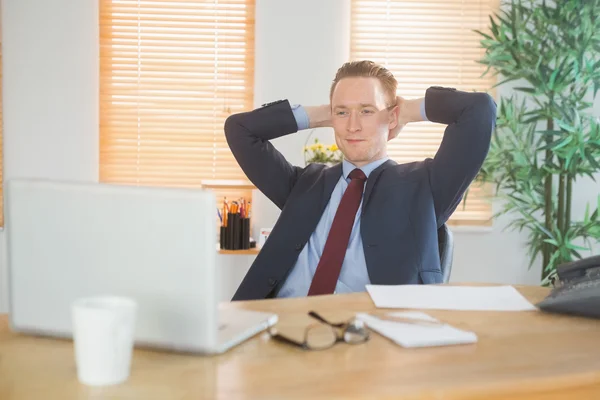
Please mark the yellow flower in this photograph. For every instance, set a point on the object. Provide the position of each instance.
(313, 147)
(320, 146)
(333, 148)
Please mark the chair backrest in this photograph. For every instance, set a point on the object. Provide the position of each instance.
(446, 246)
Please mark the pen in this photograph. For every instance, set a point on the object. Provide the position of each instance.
(407, 320)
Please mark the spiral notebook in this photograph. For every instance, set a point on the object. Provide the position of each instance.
(417, 335)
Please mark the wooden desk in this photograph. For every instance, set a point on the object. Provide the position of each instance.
(522, 355)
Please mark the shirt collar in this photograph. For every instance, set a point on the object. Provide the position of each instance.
(348, 167)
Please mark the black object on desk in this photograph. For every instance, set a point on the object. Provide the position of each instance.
(578, 290)
(236, 234)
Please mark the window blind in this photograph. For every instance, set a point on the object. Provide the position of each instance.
(170, 74)
(427, 43)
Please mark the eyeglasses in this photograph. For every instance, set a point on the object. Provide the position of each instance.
(325, 334)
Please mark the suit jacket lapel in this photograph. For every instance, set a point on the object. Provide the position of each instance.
(332, 176)
(373, 179)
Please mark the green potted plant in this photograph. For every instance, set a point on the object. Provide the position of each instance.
(546, 137)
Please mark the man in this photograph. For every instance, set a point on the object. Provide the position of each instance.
(369, 219)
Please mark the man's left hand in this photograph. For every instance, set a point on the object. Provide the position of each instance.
(400, 103)
(408, 111)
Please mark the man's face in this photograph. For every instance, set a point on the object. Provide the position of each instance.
(361, 120)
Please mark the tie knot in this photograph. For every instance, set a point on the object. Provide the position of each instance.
(358, 174)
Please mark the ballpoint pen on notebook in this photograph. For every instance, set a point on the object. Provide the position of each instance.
(408, 320)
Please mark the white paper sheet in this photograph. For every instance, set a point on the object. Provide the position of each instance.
(413, 335)
(481, 298)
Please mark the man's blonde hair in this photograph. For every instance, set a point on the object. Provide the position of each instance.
(368, 69)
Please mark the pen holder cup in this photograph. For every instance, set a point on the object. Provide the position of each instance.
(236, 235)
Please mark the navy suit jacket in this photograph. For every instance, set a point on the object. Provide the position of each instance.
(403, 205)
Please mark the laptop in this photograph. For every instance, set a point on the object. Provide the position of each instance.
(67, 240)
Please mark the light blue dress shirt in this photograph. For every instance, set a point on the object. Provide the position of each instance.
(353, 276)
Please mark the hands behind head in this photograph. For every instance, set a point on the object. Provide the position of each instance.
(399, 116)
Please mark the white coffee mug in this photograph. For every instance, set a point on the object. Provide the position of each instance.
(103, 331)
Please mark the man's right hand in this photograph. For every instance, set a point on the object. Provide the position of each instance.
(319, 116)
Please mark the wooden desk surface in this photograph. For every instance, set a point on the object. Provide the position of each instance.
(523, 355)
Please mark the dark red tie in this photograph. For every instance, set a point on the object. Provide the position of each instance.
(330, 264)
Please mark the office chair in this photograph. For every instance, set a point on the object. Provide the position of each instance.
(446, 247)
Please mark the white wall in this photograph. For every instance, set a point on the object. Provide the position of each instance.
(50, 93)
(298, 51)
